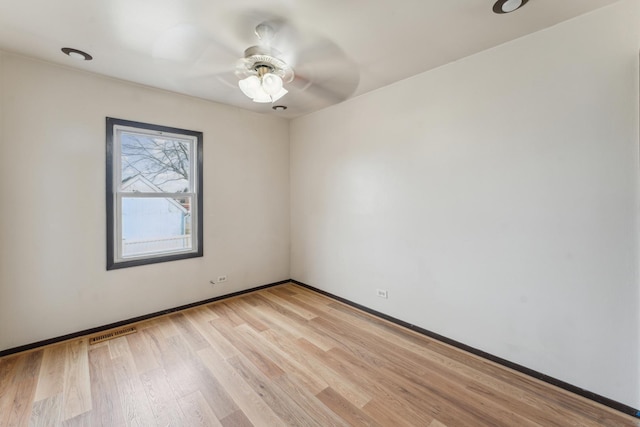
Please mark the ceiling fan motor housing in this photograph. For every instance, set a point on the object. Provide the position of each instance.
(260, 59)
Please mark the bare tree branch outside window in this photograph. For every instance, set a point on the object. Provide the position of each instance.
(162, 161)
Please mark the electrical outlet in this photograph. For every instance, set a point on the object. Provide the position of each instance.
(382, 293)
(222, 279)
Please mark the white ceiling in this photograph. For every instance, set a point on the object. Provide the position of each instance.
(343, 47)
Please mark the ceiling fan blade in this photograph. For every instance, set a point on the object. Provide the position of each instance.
(187, 43)
(212, 61)
(331, 89)
(213, 83)
(326, 71)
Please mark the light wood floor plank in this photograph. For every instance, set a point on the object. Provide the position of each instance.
(163, 402)
(249, 402)
(82, 420)
(299, 373)
(213, 391)
(197, 411)
(77, 382)
(47, 412)
(7, 401)
(7, 387)
(349, 386)
(203, 324)
(24, 382)
(394, 394)
(133, 400)
(277, 319)
(352, 415)
(143, 355)
(243, 310)
(480, 382)
(282, 356)
(258, 358)
(303, 352)
(237, 419)
(539, 409)
(390, 414)
(225, 314)
(188, 332)
(168, 329)
(287, 409)
(20, 411)
(52, 371)
(292, 307)
(106, 409)
(361, 346)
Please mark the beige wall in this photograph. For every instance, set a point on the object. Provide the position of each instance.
(53, 279)
(495, 198)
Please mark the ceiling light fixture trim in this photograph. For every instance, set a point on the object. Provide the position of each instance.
(508, 6)
(76, 54)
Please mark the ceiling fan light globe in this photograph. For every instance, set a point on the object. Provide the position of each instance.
(271, 83)
(261, 96)
(249, 86)
(279, 95)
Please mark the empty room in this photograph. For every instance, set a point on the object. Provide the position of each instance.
(320, 213)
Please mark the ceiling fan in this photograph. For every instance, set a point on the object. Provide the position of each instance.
(285, 67)
(295, 68)
(262, 72)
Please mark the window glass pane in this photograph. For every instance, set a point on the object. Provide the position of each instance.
(152, 163)
(155, 225)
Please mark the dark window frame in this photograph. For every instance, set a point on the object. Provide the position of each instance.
(112, 262)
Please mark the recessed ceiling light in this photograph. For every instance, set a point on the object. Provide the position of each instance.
(77, 54)
(507, 6)
(279, 107)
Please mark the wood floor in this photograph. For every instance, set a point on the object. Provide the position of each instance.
(284, 356)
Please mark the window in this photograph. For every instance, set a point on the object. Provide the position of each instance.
(154, 193)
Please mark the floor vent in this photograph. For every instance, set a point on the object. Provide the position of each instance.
(112, 335)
